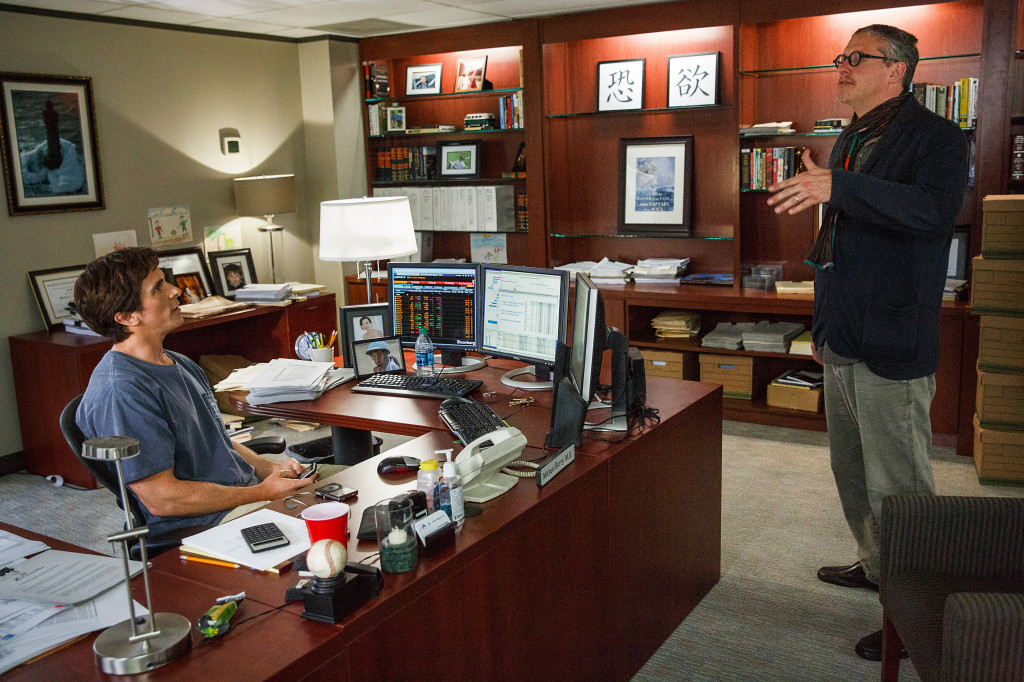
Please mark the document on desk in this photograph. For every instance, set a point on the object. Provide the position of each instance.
(63, 577)
(225, 542)
(35, 628)
(15, 547)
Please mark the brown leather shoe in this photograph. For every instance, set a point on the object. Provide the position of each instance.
(846, 576)
(870, 647)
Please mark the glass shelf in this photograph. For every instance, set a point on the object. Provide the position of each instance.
(675, 110)
(457, 131)
(748, 135)
(816, 67)
(445, 95)
(638, 236)
(446, 183)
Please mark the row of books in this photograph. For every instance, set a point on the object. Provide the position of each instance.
(957, 102)
(764, 336)
(510, 111)
(469, 208)
(522, 215)
(375, 81)
(761, 167)
(377, 117)
(1017, 159)
(400, 164)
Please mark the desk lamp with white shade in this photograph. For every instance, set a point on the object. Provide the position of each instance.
(367, 229)
(266, 195)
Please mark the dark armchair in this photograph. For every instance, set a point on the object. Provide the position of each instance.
(107, 476)
(951, 585)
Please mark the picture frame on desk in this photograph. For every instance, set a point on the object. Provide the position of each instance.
(423, 79)
(232, 269)
(693, 79)
(191, 286)
(54, 289)
(620, 85)
(458, 160)
(48, 144)
(361, 323)
(183, 262)
(655, 185)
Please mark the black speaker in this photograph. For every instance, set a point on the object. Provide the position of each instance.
(637, 379)
(567, 415)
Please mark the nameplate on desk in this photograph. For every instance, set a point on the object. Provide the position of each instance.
(559, 461)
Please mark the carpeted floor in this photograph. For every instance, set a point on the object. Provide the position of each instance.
(769, 618)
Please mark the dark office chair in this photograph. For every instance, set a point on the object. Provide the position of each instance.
(106, 474)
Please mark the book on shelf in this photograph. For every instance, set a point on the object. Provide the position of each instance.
(762, 167)
(956, 101)
(802, 345)
(800, 378)
(522, 215)
(768, 129)
(510, 111)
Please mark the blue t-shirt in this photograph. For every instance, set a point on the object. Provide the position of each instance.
(171, 410)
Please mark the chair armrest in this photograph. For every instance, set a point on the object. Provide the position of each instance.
(965, 536)
(267, 445)
(983, 636)
(155, 546)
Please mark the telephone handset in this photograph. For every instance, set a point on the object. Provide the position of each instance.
(480, 467)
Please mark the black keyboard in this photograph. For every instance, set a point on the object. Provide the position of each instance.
(413, 386)
(469, 420)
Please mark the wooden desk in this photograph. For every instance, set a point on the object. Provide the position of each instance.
(52, 367)
(585, 577)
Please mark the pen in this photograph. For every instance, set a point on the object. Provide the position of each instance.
(212, 562)
(333, 335)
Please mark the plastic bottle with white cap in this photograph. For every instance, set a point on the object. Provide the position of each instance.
(449, 493)
(426, 480)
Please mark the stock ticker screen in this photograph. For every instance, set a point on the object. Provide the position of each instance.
(440, 298)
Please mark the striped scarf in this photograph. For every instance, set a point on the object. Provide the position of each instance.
(861, 130)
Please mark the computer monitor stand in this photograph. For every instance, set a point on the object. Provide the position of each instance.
(619, 345)
(456, 361)
(539, 371)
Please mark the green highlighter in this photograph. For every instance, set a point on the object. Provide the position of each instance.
(216, 621)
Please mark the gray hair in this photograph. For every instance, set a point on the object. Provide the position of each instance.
(902, 47)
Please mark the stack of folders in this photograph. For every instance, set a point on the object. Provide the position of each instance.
(771, 337)
(284, 380)
(728, 335)
(263, 293)
(676, 324)
(659, 269)
(610, 272)
(801, 379)
(802, 345)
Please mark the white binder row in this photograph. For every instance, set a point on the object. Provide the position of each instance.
(467, 208)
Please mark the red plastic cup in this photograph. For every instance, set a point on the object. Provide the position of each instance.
(327, 521)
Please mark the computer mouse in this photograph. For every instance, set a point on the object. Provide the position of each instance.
(397, 465)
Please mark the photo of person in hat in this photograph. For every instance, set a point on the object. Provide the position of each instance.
(381, 356)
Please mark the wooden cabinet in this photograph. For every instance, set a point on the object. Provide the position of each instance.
(52, 367)
(355, 290)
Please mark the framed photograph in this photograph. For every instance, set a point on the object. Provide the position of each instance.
(469, 74)
(620, 85)
(48, 144)
(395, 118)
(232, 270)
(458, 160)
(191, 285)
(423, 79)
(655, 185)
(693, 79)
(184, 262)
(378, 356)
(55, 290)
(362, 323)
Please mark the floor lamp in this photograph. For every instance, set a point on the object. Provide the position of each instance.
(266, 195)
(367, 229)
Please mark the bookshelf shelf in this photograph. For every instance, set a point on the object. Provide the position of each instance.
(635, 112)
(820, 67)
(637, 236)
(436, 133)
(446, 183)
(445, 95)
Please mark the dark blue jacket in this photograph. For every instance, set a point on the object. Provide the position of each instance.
(882, 300)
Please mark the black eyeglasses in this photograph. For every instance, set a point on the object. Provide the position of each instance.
(854, 58)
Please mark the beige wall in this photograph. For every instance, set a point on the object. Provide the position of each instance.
(161, 97)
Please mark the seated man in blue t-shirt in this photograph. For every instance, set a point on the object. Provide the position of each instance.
(188, 472)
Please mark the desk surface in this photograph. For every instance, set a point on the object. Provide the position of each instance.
(582, 578)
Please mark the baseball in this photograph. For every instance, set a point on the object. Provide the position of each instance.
(326, 558)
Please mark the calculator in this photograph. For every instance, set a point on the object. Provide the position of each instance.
(263, 537)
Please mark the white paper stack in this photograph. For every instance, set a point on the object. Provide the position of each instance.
(284, 380)
(610, 272)
(727, 335)
(676, 324)
(659, 269)
(771, 337)
(802, 345)
(263, 292)
(772, 128)
(225, 542)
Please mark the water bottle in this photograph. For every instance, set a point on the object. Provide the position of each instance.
(449, 492)
(424, 355)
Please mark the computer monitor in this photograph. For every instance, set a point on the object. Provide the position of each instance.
(443, 298)
(523, 316)
(588, 338)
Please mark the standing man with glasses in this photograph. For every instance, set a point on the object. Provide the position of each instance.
(893, 187)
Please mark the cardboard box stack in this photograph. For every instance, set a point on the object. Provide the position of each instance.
(997, 295)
